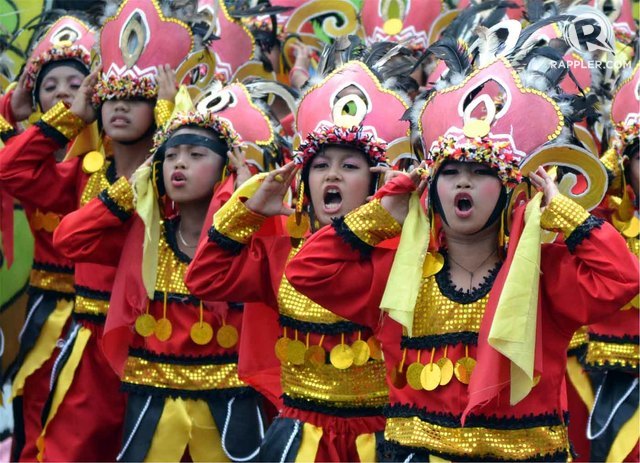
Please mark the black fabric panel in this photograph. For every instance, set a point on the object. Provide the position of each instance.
(614, 385)
(18, 429)
(141, 440)
(280, 434)
(243, 434)
(32, 331)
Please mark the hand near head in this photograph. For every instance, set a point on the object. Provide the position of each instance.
(269, 198)
(21, 100)
(238, 162)
(543, 182)
(82, 106)
(399, 186)
(166, 82)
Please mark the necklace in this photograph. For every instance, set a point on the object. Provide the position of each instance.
(183, 241)
(472, 272)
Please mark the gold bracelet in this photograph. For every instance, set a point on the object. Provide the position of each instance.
(63, 120)
(563, 214)
(372, 223)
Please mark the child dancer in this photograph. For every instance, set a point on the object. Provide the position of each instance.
(612, 350)
(128, 90)
(184, 395)
(501, 326)
(331, 372)
(54, 72)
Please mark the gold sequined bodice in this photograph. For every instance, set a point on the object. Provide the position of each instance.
(437, 314)
(97, 182)
(171, 270)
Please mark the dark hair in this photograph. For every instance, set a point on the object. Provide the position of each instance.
(217, 144)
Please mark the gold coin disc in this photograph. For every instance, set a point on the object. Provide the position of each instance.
(227, 336)
(201, 333)
(341, 357)
(430, 376)
(163, 329)
(413, 375)
(145, 325)
(361, 352)
(446, 370)
(295, 352)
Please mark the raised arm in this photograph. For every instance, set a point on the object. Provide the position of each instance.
(95, 232)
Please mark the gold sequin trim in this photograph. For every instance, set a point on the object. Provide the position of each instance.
(372, 223)
(357, 386)
(85, 305)
(580, 338)
(122, 194)
(563, 214)
(239, 223)
(600, 353)
(499, 444)
(296, 305)
(63, 120)
(611, 161)
(52, 281)
(96, 183)
(171, 271)
(162, 111)
(437, 314)
(5, 126)
(181, 377)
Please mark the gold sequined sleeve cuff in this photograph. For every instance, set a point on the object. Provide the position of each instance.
(61, 124)
(567, 216)
(162, 111)
(367, 226)
(6, 129)
(118, 197)
(611, 162)
(239, 223)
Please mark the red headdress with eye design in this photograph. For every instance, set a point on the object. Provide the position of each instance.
(238, 105)
(625, 108)
(368, 118)
(133, 43)
(67, 38)
(406, 21)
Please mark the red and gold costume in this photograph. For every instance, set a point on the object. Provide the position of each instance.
(180, 366)
(331, 374)
(81, 385)
(51, 284)
(477, 374)
(612, 354)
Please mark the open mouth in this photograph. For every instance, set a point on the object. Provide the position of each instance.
(332, 200)
(178, 179)
(463, 204)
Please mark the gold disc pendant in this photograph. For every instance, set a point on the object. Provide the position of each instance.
(163, 329)
(295, 352)
(375, 351)
(227, 336)
(361, 352)
(430, 376)
(281, 348)
(446, 370)
(92, 162)
(341, 356)
(464, 368)
(145, 325)
(201, 333)
(297, 225)
(413, 375)
(315, 356)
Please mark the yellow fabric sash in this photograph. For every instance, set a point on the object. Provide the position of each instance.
(513, 330)
(403, 285)
(626, 439)
(311, 436)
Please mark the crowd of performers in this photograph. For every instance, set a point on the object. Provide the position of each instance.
(310, 231)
